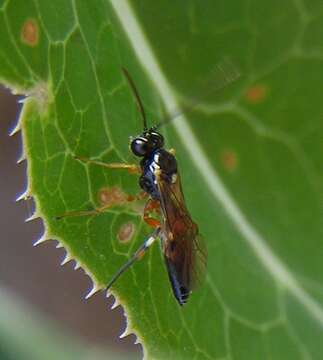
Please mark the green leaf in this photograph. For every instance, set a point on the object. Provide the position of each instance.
(250, 159)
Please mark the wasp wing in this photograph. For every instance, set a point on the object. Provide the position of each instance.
(184, 252)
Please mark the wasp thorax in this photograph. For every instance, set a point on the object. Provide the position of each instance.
(146, 143)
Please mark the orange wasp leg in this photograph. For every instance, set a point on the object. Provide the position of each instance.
(132, 168)
(136, 256)
(151, 205)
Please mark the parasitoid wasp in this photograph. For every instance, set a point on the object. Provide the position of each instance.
(182, 246)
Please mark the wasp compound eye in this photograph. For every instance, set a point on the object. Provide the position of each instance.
(139, 146)
(156, 139)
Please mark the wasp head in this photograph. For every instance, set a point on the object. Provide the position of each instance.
(144, 144)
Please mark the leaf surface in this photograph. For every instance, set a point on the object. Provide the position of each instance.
(249, 158)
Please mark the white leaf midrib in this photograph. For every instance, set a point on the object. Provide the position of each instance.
(254, 239)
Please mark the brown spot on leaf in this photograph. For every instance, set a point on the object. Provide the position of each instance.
(256, 94)
(30, 32)
(112, 196)
(126, 232)
(229, 159)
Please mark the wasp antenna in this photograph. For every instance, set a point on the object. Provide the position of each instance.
(224, 73)
(157, 126)
(137, 96)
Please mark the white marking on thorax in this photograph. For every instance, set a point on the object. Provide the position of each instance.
(174, 178)
(154, 166)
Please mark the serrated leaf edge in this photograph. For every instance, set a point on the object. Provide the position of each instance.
(29, 99)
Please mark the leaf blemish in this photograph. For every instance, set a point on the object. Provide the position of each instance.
(30, 32)
(126, 232)
(41, 94)
(229, 160)
(256, 94)
(112, 196)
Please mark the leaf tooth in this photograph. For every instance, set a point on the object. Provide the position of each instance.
(21, 158)
(34, 216)
(94, 290)
(22, 100)
(16, 129)
(58, 245)
(24, 196)
(115, 304)
(42, 239)
(108, 294)
(127, 332)
(77, 265)
(66, 259)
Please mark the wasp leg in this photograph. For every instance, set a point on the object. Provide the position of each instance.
(140, 196)
(132, 168)
(95, 211)
(104, 207)
(151, 205)
(136, 256)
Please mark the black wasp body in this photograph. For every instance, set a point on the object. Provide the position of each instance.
(177, 231)
(182, 246)
(184, 255)
(155, 160)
